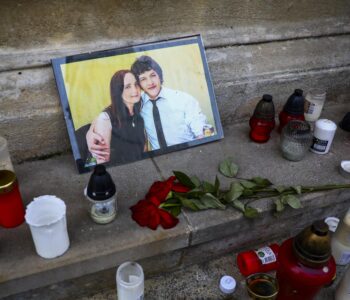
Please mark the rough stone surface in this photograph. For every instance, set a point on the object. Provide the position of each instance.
(93, 247)
(198, 281)
(199, 235)
(33, 122)
(35, 31)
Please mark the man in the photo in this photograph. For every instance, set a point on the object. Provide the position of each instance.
(171, 117)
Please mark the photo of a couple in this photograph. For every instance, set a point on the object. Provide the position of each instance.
(144, 115)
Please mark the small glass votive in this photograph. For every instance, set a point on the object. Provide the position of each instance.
(5, 159)
(102, 196)
(261, 286)
(296, 139)
(130, 281)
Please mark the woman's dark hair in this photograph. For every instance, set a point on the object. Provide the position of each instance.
(118, 109)
(146, 63)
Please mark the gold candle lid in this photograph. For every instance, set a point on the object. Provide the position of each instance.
(312, 245)
(7, 181)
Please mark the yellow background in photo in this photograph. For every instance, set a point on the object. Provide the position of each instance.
(87, 82)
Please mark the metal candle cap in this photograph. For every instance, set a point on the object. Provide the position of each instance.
(7, 181)
(312, 245)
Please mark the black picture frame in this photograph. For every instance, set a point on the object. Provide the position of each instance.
(77, 132)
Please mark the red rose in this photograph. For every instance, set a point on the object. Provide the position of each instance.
(146, 213)
(161, 189)
(180, 188)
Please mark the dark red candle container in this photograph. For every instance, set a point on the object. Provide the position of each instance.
(258, 261)
(305, 264)
(293, 109)
(11, 205)
(263, 120)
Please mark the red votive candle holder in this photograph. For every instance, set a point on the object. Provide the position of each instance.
(11, 205)
(258, 261)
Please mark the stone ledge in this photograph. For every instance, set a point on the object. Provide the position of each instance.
(96, 248)
(57, 28)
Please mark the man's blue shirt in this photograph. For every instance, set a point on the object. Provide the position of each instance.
(180, 114)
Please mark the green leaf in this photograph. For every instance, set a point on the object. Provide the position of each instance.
(228, 168)
(217, 185)
(172, 201)
(239, 205)
(195, 193)
(211, 201)
(208, 187)
(165, 205)
(297, 188)
(248, 184)
(188, 203)
(292, 201)
(261, 182)
(236, 190)
(279, 205)
(184, 179)
(175, 211)
(280, 188)
(196, 181)
(248, 192)
(251, 212)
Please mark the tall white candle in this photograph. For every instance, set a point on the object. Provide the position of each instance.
(323, 136)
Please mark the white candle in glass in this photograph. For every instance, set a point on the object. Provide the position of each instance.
(130, 281)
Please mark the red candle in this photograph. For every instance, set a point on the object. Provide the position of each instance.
(11, 205)
(258, 261)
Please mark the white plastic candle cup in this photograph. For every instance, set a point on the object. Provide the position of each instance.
(323, 136)
(5, 159)
(46, 217)
(130, 281)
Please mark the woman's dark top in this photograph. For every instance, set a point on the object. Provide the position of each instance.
(128, 141)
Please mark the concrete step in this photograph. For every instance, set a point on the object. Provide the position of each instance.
(197, 281)
(198, 236)
(35, 31)
(240, 74)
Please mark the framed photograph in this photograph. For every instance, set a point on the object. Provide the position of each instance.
(123, 105)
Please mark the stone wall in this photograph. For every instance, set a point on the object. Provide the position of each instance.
(253, 47)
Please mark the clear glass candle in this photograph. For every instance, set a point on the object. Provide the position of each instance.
(296, 139)
(314, 101)
(102, 196)
(130, 281)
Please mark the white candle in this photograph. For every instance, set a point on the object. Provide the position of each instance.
(130, 281)
(313, 105)
(323, 136)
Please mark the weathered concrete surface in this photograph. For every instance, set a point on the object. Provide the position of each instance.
(93, 247)
(32, 119)
(256, 160)
(198, 281)
(34, 31)
(199, 235)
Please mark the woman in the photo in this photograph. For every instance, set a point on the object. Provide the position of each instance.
(117, 134)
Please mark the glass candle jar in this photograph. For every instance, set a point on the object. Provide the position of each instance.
(261, 286)
(11, 205)
(296, 139)
(5, 160)
(101, 194)
(314, 101)
(262, 121)
(103, 211)
(293, 109)
(130, 281)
